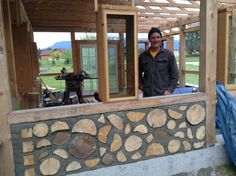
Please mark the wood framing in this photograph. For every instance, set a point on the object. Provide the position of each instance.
(6, 152)
(208, 51)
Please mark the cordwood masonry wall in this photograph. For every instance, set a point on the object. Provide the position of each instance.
(80, 143)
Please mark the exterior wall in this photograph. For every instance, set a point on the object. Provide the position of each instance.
(45, 57)
(76, 144)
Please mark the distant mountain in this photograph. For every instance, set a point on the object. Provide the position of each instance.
(67, 44)
(62, 45)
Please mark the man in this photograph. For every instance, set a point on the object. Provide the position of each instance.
(158, 71)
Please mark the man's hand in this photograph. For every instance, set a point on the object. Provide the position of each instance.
(166, 92)
(141, 87)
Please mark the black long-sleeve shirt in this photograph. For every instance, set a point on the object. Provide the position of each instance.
(157, 74)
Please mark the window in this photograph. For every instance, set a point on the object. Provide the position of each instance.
(118, 77)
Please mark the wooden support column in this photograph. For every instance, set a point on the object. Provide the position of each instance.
(182, 43)
(6, 152)
(208, 49)
(170, 43)
(222, 47)
(10, 51)
(74, 48)
(22, 51)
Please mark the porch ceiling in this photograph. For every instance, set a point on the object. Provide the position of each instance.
(79, 15)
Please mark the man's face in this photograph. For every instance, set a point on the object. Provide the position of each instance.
(155, 40)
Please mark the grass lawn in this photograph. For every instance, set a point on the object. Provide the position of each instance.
(226, 170)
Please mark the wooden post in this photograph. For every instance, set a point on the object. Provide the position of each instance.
(208, 50)
(222, 47)
(6, 154)
(74, 53)
(170, 43)
(95, 5)
(182, 44)
(232, 49)
(10, 51)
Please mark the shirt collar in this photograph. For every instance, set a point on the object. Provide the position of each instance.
(147, 51)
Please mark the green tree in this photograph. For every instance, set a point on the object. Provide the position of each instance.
(55, 55)
(192, 43)
(38, 53)
(67, 56)
(88, 36)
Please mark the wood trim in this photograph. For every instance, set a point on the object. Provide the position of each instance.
(208, 52)
(52, 113)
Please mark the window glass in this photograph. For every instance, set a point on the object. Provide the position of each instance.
(121, 70)
(231, 54)
(89, 65)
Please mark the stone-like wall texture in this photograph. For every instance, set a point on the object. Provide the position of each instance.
(77, 144)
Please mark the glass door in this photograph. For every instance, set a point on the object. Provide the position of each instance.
(88, 56)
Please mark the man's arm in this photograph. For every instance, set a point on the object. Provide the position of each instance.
(174, 73)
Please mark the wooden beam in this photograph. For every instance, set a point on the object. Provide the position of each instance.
(53, 113)
(227, 1)
(168, 11)
(95, 5)
(6, 151)
(190, 72)
(141, 3)
(208, 51)
(180, 23)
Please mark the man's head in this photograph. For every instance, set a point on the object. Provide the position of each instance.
(153, 30)
(154, 37)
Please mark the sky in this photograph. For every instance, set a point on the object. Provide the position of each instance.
(46, 39)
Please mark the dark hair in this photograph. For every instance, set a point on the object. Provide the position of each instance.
(153, 30)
